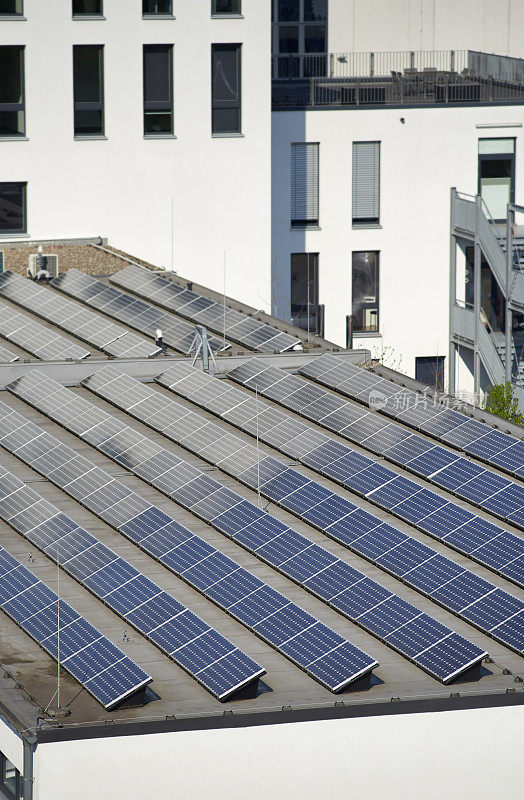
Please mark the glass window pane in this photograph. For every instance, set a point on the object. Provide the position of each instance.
(90, 8)
(12, 123)
(288, 39)
(157, 73)
(225, 7)
(225, 74)
(158, 122)
(164, 7)
(365, 291)
(226, 120)
(88, 123)
(495, 146)
(315, 10)
(12, 207)
(288, 10)
(315, 38)
(87, 83)
(11, 83)
(10, 8)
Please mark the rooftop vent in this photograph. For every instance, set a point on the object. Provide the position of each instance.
(39, 262)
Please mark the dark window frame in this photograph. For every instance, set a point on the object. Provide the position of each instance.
(373, 305)
(16, 107)
(87, 14)
(92, 105)
(371, 221)
(218, 105)
(23, 229)
(151, 106)
(304, 314)
(303, 222)
(233, 13)
(434, 365)
(13, 14)
(4, 786)
(157, 14)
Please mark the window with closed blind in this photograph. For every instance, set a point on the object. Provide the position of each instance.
(158, 90)
(366, 183)
(304, 184)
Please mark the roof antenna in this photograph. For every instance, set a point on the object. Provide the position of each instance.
(258, 448)
(58, 710)
(224, 318)
(201, 345)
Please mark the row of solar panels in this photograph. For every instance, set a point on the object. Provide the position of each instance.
(81, 323)
(139, 315)
(36, 339)
(459, 590)
(6, 356)
(233, 325)
(272, 616)
(426, 414)
(420, 638)
(472, 535)
(101, 667)
(189, 641)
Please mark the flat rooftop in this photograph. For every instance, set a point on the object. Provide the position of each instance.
(28, 674)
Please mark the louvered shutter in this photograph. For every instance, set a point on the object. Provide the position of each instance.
(366, 181)
(304, 183)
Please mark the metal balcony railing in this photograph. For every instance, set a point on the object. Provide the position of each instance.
(395, 78)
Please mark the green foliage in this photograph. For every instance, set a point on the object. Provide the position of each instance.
(500, 401)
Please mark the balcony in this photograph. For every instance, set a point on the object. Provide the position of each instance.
(396, 79)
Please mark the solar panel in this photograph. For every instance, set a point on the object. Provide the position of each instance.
(499, 449)
(82, 324)
(135, 313)
(353, 527)
(174, 628)
(7, 356)
(35, 338)
(95, 662)
(217, 577)
(244, 330)
(292, 554)
(494, 493)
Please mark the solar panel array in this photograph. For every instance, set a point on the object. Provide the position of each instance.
(423, 640)
(6, 356)
(426, 414)
(472, 535)
(35, 338)
(100, 666)
(478, 601)
(200, 650)
(86, 325)
(244, 596)
(139, 315)
(233, 325)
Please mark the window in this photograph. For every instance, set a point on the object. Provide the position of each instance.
(11, 8)
(497, 175)
(429, 370)
(10, 782)
(12, 208)
(225, 66)
(12, 101)
(305, 311)
(366, 183)
(226, 7)
(152, 8)
(158, 89)
(304, 184)
(364, 295)
(300, 38)
(88, 71)
(87, 8)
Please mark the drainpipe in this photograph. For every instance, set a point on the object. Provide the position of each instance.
(452, 295)
(509, 313)
(28, 774)
(477, 290)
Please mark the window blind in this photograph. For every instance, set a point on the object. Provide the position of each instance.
(366, 181)
(304, 183)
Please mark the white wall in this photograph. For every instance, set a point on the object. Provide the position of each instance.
(435, 149)
(11, 745)
(494, 26)
(122, 188)
(452, 754)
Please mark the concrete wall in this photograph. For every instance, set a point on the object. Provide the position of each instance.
(475, 753)
(11, 745)
(123, 187)
(494, 26)
(434, 149)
